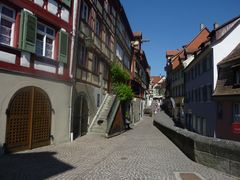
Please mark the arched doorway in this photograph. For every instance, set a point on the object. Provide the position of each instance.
(80, 120)
(28, 120)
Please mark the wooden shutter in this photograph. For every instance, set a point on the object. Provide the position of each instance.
(28, 32)
(63, 47)
(67, 2)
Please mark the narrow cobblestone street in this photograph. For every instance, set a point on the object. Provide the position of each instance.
(141, 153)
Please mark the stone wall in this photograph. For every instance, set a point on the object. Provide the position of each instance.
(223, 155)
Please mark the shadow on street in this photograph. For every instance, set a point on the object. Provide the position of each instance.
(31, 166)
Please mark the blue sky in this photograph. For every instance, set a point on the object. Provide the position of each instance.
(170, 24)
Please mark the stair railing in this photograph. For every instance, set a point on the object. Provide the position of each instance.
(112, 114)
(98, 112)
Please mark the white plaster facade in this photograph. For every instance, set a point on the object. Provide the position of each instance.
(58, 94)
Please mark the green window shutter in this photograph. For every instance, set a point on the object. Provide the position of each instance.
(21, 30)
(28, 31)
(63, 47)
(67, 2)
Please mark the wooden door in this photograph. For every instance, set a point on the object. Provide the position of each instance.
(83, 115)
(28, 120)
(41, 119)
(80, 121)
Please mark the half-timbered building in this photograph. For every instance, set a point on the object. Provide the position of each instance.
(34, 72)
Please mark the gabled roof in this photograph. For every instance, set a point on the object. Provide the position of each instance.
(193, 46)
(155, 79)
(234, 55)
(172, 52)
(226, 23)
(222, 31)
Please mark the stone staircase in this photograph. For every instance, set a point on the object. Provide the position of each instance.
(100, 122)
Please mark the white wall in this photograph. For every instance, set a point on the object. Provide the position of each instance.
(58, 94)
(224, 48)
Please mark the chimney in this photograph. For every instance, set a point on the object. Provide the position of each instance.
(215, 25)
(202, 26)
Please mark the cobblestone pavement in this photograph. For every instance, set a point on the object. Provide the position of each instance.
(141, 153)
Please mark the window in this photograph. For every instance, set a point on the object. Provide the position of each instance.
(85, 10)
(209, 89)
(128, 42)
(204, 126)
(204, 65)
(205, 94)
(189, 96)
(196, 95)
(97, 27)
(95, 65)
(105, 71)
(236, 112)
(199, 95)
(127, 62)
(192, 95)
(45, 40)
(199, 125)
(108, 38)
(106, 6)
(208, 62)
(119, 52)
(113, 12)
(238, 77)
(195, 71)
(192, 74)
(82, 60)
(7, 22)
(194, 123)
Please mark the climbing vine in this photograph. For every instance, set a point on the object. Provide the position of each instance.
(120, 79)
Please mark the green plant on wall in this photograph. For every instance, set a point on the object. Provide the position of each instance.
(120, 79)
(119, 75)
(123, 92)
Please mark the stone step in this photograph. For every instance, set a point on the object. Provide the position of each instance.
(103, 115)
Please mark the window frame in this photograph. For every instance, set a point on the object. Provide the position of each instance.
(82, 58)
(83, 17)
(119, 52)
(127, 62)
(95, 65)
(105, 70)
(45, 36)
(234, 113)
(12, 20)
(98, 30)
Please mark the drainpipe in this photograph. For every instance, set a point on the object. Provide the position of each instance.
(72, 63)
